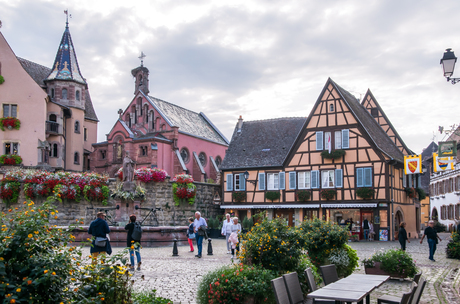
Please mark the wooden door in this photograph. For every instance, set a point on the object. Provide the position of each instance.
(370, 217)
(286, 214)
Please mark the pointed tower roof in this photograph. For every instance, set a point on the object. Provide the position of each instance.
(65, 65)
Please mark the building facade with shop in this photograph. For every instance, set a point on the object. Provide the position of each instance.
(344, 162)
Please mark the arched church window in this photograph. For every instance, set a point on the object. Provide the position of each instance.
(77, 95)
(64, 94)
(76, 158)
(185, 155)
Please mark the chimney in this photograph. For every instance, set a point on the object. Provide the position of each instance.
(240, 124)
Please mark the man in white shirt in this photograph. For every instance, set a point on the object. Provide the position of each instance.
(197, 224)
(227, 230)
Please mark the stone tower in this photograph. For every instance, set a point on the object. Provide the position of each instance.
(141, 76)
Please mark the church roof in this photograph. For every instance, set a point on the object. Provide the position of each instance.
(39, 72)
(65, 65)
(189, 122)
(262, 143)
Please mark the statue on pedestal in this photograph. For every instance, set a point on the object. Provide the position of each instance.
(128, 173)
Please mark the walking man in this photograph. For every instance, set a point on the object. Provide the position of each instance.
(200, 230)
(99, 228)
(366, 228)
(432, 238)
(227, 230)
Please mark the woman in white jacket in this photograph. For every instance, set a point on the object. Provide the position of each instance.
(227, 230)
(236, 229)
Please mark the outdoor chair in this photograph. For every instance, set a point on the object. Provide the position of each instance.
(418, 292)
(312, 285)
(293, 287)
(395, 300)
(329, 274)
(279, 288)
(417, 277)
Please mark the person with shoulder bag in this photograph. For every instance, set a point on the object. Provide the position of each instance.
(432, 238)
(99, 229)
(133, 241)
(190, 234)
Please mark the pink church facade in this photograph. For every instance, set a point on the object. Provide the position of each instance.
(160, 134)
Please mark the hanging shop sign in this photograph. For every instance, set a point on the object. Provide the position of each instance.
(442, 164)
(412, 164)
(447, 148)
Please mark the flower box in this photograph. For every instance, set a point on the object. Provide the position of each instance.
(365, 192)
(376, 270)
(336, 154)
(9, 123)
(328, 194)
(239, 196)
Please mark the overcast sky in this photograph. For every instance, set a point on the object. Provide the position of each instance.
(258, 59)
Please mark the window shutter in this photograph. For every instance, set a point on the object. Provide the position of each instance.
(242, 182)
(315, 179)
(359, 177)
(345, 139)
(338, 178)
(282, 181)
(319, 140)
(292, 180)
(368, 177)
(261, 181)
(404, 180)
(410, 181)
(229, 182)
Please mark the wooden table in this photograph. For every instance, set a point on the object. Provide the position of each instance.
(350, 289)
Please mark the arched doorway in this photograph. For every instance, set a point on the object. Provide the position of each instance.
(434, 214)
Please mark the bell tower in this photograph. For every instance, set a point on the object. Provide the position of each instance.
(141, 77)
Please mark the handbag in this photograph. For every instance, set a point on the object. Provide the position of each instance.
(191, 236)
(100, 241)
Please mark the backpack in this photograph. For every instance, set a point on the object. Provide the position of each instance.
(137, 232)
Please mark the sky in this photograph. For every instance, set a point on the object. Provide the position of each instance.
(259, 59)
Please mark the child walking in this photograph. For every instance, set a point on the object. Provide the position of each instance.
(190, 233)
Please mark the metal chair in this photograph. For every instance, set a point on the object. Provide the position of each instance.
(312, 285)
(279, 288)
(417, 277)
(329, 274)
(395, 300)
(418, 292)
(293, 287)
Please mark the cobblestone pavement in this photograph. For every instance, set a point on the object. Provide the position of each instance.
(177, 278)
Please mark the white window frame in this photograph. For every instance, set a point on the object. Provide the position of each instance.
(319, 138)
(10, 107)
(338, 139)
(327, 135)
(327, 178)
(11, 148)
(273, 181)
(304, 180)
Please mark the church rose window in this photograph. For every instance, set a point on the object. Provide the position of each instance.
(185, 155)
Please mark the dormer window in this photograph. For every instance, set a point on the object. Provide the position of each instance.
(77, 95)
(374, 112)
(64, 94)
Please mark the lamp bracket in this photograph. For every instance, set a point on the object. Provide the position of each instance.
(254, 182)
(453, 80)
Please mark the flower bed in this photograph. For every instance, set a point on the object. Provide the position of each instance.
(9, 123)
(146, 175)
(453, 247)
(183, 189)
(395, 263)
(10, 159)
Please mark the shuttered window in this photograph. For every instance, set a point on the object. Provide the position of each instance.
(345, 139)
(327, 179)
(319, 140)
(229, 182)
(338, 178)
(273, 181)
(240, 182)
(315, 179)
(304, 180)
(261, 181)
(364, 177)
(292, 180)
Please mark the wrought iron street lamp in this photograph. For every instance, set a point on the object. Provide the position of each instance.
(448, 65)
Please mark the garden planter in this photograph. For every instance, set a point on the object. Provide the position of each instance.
(377, 271)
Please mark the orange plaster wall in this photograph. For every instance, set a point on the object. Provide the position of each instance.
(341, 119)
(295, 160)
(315, 157)
(362, 155)
(331, 118)
(303, 147)
(290, 197)
(351, 156)
(362, 142)
(322, 121)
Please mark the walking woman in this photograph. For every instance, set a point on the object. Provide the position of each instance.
(402, 236)
(236, 229)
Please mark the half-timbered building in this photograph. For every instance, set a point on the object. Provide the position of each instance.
(344, 161)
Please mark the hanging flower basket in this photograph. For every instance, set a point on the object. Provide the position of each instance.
(365, 193)
(336, 154)
(272, 195)
(183, 189)
(410, 192)
(2, 80)
(8, 159)
(328, 194)
(9, 123)
(239, 196)
(303, 195)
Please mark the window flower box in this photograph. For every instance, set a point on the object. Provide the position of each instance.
(410, 192)
(303, 195)
(336, 154)
(239, 196)
(272, 195)
(9, 123)
(365, 192)
(328, 194)
(10, 159)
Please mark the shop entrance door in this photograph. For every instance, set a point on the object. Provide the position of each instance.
(365, 214)
(286, 214)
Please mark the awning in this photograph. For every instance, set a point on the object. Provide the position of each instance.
(269, 206)
(362, 205)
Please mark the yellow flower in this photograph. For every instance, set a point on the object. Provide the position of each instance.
(45, 271)
(18, 290)
(53, 273)
(52, 213)
(30, 236)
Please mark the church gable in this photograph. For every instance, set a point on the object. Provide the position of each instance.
(372, 106)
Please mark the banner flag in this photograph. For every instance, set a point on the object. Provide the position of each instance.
(412, 164)
(443, 163)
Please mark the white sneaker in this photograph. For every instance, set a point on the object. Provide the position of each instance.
(233, 256)
(228, 252)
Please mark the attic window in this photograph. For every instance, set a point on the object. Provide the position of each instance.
(331, 108)
(265, 150)
(374, 112)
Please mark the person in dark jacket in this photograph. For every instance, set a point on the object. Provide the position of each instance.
(402, 236)
(432, 237)
(133, 245)
(99, 228)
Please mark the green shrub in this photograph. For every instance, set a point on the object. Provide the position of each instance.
(320, 237)
(213, 223)
(345, 260)
(2, 79)
(439, 227)
(421, 193)
(149, 297)
(394, 262)
(272, 195)
(453, 247)
(234, 284)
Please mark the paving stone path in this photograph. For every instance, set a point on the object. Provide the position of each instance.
(177, 278)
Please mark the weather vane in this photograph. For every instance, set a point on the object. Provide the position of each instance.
(141, 57)
(66, 12)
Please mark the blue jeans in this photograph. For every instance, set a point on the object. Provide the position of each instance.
(366, 234)
(136, 250)
(432, 245)
(199, 243)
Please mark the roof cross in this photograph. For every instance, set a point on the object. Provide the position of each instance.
(66, 12)
(141, 57)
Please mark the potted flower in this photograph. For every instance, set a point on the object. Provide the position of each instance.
(365, 192)
(10, 159)
(239, 196)
(9, 123)
(272, 195)
(303, 195)
(336, 154)
(328, 194)
(395, 263)
(183, 189)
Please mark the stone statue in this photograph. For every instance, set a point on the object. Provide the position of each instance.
(128, 173)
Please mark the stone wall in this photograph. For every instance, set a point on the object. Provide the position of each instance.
(158, 195)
